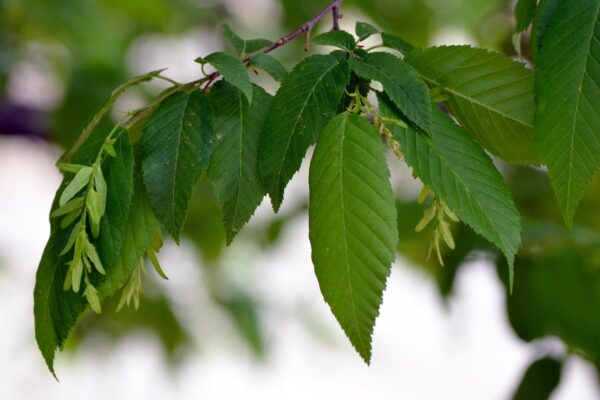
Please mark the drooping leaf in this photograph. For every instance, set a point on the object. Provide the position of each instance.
(396, 43)
(306, 101)
(567, 87)
(535, 311)
(364, 30)
(55, 310)
(540, 380)
(457, 170)
(524, 13)
(269, 64)
(490, 94)
(352, 222)
(402, 84)
(233, 71)
(234, 163)
(141, 228)
(176, 149)
(118, 175)
(340, 39)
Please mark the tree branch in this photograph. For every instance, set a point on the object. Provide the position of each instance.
(333, 7)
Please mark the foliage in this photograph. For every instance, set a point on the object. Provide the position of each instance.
(439, 110)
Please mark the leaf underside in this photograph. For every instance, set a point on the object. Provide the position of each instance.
(307, 100)
(234, 164)
(490, 95)
(352, 224)
(140, 229)
(568, 101)
(457, 170)
(176, 149)
(56, 311)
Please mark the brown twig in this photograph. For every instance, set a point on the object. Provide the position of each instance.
(333, 7)
(336, 18)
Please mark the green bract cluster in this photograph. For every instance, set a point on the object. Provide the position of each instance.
(123, 186)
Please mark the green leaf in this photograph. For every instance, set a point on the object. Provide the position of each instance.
(70, 218)
(457, 170)
(306, 101)
(176, 149)
(396, 43)
(70, 168)
(490, 95)
(91, 295)
(401, 83)
(567, 89)
(79, 181)
(234, 164)
(233, 71)
(77, 273)
(340, 39)
(524, 13)
(77, 228)
(535, 311)
(93, 256)
(70, 206)
(92, 205)
(118, 172)
(254, 45)
(156, 264)
(141, 228)
(352, 224)
(269, 64)
(541, 21)
(242, 46)
(540, 380)
(102, 189)
(233, 39)
(55, 311)
(364, 30)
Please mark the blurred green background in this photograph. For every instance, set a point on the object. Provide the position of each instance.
(60, 59)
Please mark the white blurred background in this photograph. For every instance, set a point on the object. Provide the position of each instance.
(423, 349)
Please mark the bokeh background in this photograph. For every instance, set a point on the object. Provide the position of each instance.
(248, 321)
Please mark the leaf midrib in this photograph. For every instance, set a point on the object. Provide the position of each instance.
(347, 264)
(238, 190)
(177, 148)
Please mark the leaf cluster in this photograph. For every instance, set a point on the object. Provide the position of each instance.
(444, 111)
